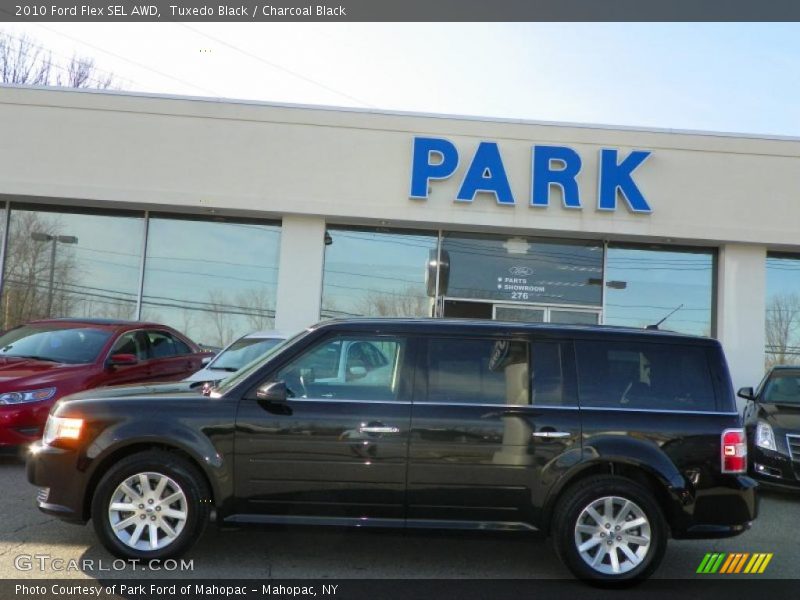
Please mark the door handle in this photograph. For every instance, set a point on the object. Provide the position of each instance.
(550, 434)
(378, 429)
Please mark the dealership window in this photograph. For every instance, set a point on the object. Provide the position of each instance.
(377, 272)
(61, 263)
(212, 280)
(645, 285)
(783, 310)
(516, 278)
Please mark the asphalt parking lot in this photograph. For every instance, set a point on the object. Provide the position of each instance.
(336, 553)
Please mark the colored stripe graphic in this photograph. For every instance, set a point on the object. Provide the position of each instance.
(724, 563)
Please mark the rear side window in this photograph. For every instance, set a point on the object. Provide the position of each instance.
(644, 376)
(475, 371)
(551, 370)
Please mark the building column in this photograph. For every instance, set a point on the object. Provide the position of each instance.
(300, 267)
(741, 311)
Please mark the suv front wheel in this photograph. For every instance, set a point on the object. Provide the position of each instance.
(152, 505)
(610, 529)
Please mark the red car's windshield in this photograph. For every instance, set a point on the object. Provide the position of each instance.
(73, 345)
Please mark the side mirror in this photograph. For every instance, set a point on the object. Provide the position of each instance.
(356, 372)
(122, 360)
(746, 393)
(272, 392)
(206, 360)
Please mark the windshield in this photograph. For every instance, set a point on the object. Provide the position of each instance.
(72, 345)
(783, 388)
(241, 352)
(243, 373)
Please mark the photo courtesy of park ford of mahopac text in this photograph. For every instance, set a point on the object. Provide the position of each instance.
(399, 300)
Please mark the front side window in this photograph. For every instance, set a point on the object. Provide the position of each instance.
(644, 376)
(476, 371)
(78, 345)
(348, 368)
(133, 342)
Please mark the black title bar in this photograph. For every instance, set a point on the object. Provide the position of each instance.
(397, 10)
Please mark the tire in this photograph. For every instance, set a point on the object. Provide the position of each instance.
(179, 518)
(645, 542)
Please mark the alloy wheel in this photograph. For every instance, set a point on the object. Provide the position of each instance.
(148, 511)
(612, 535)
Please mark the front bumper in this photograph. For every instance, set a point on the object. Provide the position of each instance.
(22, 424)
(61, 483)
(774, 469)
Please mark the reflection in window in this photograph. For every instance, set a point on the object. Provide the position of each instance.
(478, 371)
(62, 264)
(522, 269)
(363, 368)
(372, 272)
(644, 376)
(783, 310)
(644, 285)
(214, 281)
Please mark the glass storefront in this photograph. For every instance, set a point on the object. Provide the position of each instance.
(783, 310)
(213, 280)
(377, 273)
(70, 264)
(667, 285)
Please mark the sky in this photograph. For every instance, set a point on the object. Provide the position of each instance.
(740, 77)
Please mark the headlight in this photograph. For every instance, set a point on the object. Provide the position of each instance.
(29, 396)
(61, 428)
(765, 438)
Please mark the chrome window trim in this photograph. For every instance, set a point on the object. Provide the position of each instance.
(662, 410)
(528, 406)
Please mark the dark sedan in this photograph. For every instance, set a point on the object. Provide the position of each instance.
(43, 361)
(772, 419)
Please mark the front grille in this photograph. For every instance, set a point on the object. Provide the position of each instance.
(793, 441)
(42, 495)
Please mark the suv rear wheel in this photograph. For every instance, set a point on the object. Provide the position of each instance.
(152, 505)
(610, 529)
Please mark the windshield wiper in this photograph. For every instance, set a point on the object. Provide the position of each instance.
(31, 356)
(228, 369)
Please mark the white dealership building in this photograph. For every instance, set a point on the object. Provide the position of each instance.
(218, 217)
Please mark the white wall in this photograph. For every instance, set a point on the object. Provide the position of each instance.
(302, 258)
(741, 311)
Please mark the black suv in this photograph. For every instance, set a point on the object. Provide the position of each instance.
(611, 440)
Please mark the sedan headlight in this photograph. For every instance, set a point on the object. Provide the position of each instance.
(62, 428)
(765, 438)
(29, 396)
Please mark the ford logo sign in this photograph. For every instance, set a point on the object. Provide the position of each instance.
(524, 271)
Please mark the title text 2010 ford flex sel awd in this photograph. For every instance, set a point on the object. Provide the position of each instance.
(611, 440)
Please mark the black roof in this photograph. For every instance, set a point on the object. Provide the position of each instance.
(488, 326)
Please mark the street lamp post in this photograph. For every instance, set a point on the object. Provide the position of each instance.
(53, 239)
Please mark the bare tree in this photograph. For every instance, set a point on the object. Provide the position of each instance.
(783, 319)
(260, 313)
(407, 303)
(29, 270)
(24, 62)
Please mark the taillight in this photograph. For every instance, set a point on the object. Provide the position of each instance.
(734, 451)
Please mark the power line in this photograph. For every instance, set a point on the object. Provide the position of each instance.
(278, 67)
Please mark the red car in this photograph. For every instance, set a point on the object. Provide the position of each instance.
(43, 361)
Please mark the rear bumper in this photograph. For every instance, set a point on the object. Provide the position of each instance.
(61, 484)
(725, 510)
